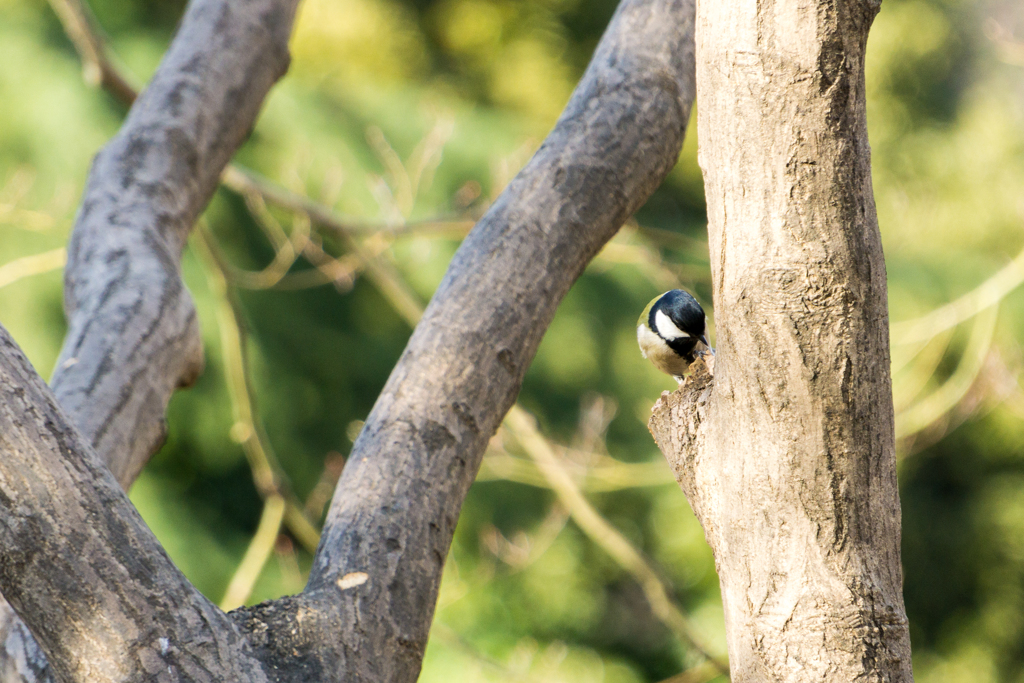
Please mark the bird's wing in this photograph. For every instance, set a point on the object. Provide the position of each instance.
(645, 316)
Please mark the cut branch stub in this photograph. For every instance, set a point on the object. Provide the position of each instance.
(398, 500)
(789, 460)
(677, 423)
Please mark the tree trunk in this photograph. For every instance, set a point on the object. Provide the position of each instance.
(787, 453)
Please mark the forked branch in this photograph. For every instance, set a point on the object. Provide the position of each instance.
(398, 500)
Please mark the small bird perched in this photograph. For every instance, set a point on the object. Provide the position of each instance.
(672, 331)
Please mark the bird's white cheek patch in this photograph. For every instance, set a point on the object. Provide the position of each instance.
(666, 328)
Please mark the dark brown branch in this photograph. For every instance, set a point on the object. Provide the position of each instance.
(133, 336)
(374, 581)
(82, 568)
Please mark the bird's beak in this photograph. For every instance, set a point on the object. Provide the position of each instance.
(704, 338)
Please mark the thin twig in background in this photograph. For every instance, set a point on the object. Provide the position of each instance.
(12, 194)
(35, 264)
(387, 279)
(288, 565)
(256, 555)
(612, 476)
(913, 377)
(929, 410)
(247, 429)
(380, 271)
(286, 247)
(341, 272)
(97, 68)
(984, 296)
(426, 157)
(245, 181)
(925, 339)
(523, 550)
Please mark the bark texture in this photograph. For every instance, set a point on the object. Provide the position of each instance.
(103, 599)
(366, 612)
(787, 454)
(398, 500)
(133, 335)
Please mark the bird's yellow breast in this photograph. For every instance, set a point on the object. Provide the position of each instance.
(658, 352)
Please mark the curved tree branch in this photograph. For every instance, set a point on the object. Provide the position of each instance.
(375, 578)
(133, 336)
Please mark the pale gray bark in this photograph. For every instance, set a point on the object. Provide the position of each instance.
(132, 339)
(787, 454)
(133, 336)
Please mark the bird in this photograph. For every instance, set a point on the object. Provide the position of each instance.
(672, 332)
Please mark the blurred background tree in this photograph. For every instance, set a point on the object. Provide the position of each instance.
(405, 118)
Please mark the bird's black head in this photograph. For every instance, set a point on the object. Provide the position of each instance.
(685, 314)
(683, 310)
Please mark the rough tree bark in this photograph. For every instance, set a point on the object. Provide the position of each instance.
(787, 454)
(133, 336)
(396, 505)
(79, 566)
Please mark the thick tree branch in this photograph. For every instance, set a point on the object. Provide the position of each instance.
(375, 578)
(133, 335)
(82, 568)
(788, 456)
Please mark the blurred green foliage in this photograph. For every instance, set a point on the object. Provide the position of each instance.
(375, 87)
